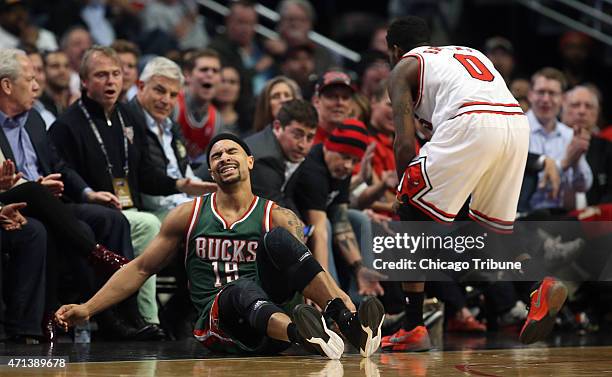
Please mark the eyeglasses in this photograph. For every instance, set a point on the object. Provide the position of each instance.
(542, 93)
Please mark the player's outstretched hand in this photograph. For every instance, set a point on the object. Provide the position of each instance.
(70, 315)
(368, 282)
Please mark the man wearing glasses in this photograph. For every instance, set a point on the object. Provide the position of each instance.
(556, 140)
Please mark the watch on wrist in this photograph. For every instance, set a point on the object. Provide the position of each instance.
(540, 162)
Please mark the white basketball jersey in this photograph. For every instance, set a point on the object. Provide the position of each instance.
(456, 80)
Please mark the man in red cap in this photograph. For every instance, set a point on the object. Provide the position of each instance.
(332, 99)
(324, 195)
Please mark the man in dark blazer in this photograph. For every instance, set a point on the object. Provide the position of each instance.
(151, 109)
(279, 151)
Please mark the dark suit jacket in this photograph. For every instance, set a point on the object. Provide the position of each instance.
(156, 150)
(599, 157)
(268, 174)
(77, 144)
(48, 159)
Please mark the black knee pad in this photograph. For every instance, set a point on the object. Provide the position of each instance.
(291, 257)
(283, 249)
(250, 302)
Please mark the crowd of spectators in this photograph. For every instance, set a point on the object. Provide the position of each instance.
(106, 116)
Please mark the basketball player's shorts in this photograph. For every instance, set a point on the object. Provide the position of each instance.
(214, 338)
(480, 154)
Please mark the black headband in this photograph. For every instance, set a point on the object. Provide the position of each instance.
(226, 136)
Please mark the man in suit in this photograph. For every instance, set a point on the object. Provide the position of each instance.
(581, 107)
(160, 82)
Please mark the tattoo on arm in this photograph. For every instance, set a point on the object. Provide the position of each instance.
(346, 241)
(338, 216)
(290, 221)
(342, 231)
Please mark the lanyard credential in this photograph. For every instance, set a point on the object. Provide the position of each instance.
(94, 129)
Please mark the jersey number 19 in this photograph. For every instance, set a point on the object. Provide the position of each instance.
(231, 272)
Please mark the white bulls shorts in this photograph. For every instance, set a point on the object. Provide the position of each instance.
(479, 154)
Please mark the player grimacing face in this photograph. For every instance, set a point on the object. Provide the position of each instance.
(229, 163)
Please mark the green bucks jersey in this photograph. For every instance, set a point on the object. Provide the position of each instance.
(219, 253)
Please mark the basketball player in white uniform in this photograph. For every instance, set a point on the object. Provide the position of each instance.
(479, 148)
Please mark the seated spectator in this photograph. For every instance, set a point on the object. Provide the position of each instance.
(25, 240)
(178, 19)
(128, 54)
(16, 28)
(380, 195)
(74, 43)
(239, 47)
(581, 111)
(56, 96)
(378, 41)
(39, 72)
(324, 194)
(296, 22)
(226, 100)
(298, 64)
(158, 88)
(501, 53)
(372, 69)
(556, 140)
(361, 108)
(332, 99)
(198, 117)
(95, 14)
(277, 91)
(520, 89)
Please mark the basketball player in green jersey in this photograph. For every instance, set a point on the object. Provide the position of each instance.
(244, 257)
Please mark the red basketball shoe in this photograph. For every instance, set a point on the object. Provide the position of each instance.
(415, 340)
(545, 303)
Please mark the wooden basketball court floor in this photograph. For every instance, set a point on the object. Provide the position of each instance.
(491, 355)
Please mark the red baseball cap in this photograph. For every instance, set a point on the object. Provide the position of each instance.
(331, 78)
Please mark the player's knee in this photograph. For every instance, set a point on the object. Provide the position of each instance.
(283, 249)
(291, 257)
(252, 304)
(244, 293)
